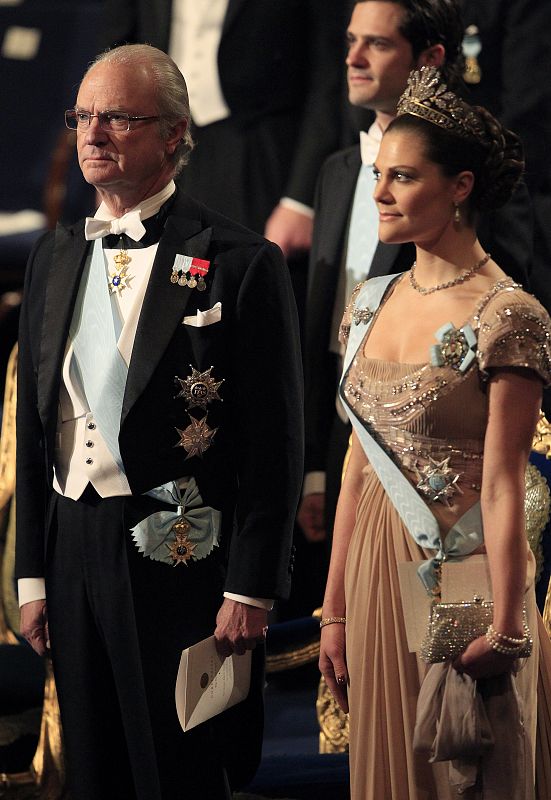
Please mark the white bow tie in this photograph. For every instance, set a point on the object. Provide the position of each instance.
(129, 223)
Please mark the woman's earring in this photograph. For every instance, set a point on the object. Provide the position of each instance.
(457, 214)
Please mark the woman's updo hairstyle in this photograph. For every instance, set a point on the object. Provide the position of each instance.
(460, 137)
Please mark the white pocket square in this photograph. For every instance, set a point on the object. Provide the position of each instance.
(202, 318)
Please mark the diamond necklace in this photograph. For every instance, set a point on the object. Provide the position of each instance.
(463, 276)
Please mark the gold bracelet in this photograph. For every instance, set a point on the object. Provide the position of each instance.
(331, 620)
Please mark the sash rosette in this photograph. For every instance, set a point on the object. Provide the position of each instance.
(156, 536)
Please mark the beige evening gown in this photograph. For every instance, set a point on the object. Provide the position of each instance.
(422, 412)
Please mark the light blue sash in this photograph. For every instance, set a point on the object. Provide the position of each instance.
(95, 330)
(466, 535)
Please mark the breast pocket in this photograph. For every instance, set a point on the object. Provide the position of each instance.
(203, 318)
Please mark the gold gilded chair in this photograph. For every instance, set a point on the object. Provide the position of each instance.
(47, 771)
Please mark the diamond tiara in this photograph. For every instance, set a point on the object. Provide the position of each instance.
(426, 96)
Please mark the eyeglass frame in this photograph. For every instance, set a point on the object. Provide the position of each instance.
(71, 113)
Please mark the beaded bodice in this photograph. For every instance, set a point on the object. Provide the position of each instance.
(432, 417)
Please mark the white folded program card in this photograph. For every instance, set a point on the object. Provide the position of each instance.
(208, 684)
(460, 580)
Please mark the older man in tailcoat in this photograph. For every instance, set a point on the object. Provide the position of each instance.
(159, 447)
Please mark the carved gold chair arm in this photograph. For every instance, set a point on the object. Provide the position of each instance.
(7, 437)
(8, 603)
(48, 771)
(48, 763)
(542, 437)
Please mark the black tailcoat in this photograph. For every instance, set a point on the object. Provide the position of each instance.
(251, 472)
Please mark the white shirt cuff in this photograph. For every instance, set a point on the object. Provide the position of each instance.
(295, 205)
(258, 602)
(30, 589)
(314, 483)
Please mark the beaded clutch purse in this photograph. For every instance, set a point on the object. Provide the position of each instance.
(452, 626)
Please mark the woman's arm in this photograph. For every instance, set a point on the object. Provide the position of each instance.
(332, 661)
(514, 402)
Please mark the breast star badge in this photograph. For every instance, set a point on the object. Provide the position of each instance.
(457, 348)
(196, 438)
(199, 388)
(437, 481)
(181, 549)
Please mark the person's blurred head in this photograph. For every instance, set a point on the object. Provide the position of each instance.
(389, 38)
(438, 155)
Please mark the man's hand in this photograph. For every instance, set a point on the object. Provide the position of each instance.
(239, 627)
(34, 626)
(310, 517)
(289, 229)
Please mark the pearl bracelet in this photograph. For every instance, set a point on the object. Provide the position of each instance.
(509, 640)
(331, 620)
(495, 640)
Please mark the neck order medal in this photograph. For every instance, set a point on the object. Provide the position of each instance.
(118, 278)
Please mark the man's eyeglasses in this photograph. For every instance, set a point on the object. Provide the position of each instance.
(108, 120)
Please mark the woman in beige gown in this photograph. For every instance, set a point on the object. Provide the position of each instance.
(456, 414)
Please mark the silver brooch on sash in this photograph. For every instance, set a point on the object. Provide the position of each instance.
(361, 316)
(457, 348)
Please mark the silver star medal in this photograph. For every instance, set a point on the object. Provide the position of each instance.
(437, 481)
(199, 388)
(196, 438)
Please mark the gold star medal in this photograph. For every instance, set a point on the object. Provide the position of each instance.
(199, 388)
(118, 279)
(196, 438)
(181, 549)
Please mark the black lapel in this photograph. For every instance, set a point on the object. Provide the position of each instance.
(234, 7)
(338, 193)
(62, 287)
(343, 193)
(384, 259)
(164, 303)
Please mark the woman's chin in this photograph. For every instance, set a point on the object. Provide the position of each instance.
(391, 237)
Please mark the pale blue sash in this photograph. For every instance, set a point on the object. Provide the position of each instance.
(466, 535)
(95, 330)
(362, 232)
